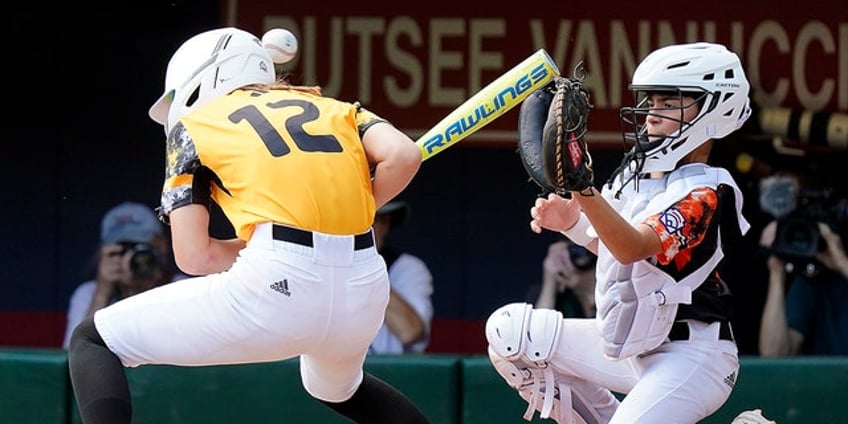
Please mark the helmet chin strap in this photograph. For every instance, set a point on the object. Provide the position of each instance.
(634, 160)
(625, 172)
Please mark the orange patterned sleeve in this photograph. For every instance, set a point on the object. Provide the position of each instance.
(683, 225)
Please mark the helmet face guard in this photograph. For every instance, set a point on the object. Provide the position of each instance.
(706, 72)
(635, 133)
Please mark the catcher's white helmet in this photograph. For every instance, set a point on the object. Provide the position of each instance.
(207, 66)
(707, 72)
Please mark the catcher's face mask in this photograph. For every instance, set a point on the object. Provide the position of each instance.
(659, 118)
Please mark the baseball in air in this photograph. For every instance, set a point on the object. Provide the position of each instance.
(281, 44)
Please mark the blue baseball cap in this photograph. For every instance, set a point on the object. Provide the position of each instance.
(129, 222)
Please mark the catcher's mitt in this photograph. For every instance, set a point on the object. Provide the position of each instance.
(531, 124)
(552, 130)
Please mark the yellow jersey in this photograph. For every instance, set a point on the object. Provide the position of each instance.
(282, 156)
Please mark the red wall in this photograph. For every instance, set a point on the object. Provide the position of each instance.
(416, 68)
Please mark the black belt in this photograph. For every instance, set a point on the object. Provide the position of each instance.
(304, 238)
(680, 331)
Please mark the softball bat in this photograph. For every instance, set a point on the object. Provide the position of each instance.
(489, 103)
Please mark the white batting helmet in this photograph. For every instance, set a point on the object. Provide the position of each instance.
(209, 65)
(710, 73)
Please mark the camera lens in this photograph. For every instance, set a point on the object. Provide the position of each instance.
(144, 261)
(797, 238)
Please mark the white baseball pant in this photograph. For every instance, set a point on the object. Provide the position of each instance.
(679, 382)
(279, 300)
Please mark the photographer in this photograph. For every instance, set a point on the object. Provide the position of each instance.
(806, 307)
(568, 281)
(133, 256)
(409, 314)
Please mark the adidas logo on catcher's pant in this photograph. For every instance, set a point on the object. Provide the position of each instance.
(730, 380)
(282, 287)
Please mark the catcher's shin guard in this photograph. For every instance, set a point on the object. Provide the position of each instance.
(555, 396)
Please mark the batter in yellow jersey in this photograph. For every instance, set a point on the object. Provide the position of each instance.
(300, 177)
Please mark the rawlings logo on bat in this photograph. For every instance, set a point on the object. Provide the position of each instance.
(491, 102)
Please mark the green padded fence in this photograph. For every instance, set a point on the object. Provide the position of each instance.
(798, 390)
(35, 388)
(272, 392)
(802, 390)
(486, 397)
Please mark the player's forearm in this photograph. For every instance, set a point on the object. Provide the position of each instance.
(774, 330)
(626, 243)
(211, 257)
(195, 252)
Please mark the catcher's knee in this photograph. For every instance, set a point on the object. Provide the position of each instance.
(521, 342)
(518, 331)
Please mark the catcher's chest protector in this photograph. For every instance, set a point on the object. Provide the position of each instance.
(637, 303)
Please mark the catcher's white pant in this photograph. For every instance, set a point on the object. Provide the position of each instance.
(679, 382)
(278, 300)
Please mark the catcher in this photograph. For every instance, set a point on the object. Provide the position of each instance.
(661, 335)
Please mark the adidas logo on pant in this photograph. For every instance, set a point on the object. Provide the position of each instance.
(281, 287)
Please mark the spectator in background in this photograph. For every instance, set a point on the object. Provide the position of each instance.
(406, 328)
(133, 256)
(806, 307)
(568, 281)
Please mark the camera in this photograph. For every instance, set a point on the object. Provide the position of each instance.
(797, 238)
(582, 259)
(145, 260)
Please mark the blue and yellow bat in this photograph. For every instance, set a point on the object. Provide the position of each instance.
(489, 103)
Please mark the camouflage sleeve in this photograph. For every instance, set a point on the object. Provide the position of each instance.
(365, 119)
(683, 225)
(186, 180)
